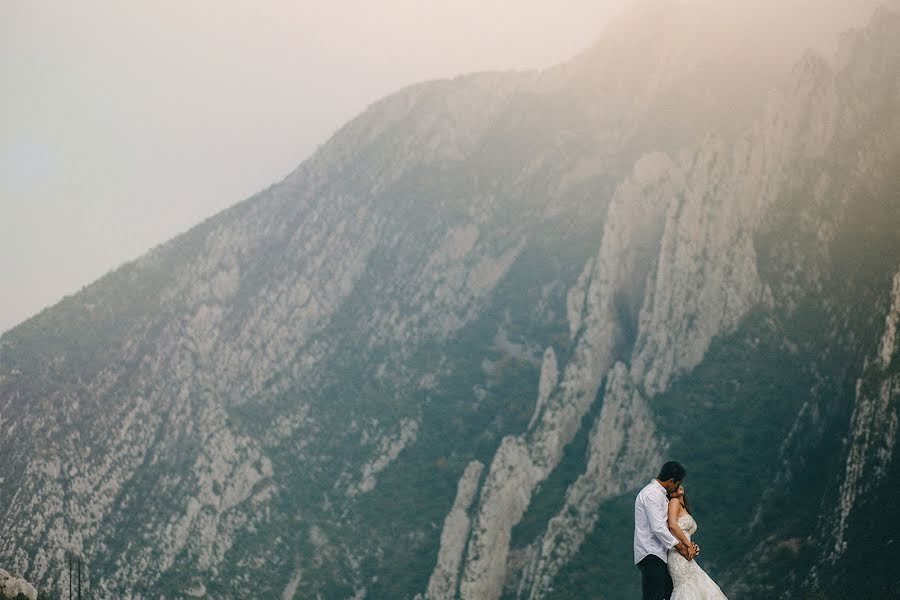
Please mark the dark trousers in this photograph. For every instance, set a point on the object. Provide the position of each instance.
(655, 581)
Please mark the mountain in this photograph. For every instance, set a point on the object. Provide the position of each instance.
(438, 359)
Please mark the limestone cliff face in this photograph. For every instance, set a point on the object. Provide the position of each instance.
(873, 424)
(595, 320)
(444, 582)
(678, 263)
(356, 383)
(15, 588)
(702, 281)
(238, 318)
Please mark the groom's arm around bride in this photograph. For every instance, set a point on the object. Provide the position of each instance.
(652, 538)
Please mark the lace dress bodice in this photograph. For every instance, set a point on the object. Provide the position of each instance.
(690, 581)
(688, 524)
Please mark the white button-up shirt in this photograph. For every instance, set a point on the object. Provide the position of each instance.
(651, 523)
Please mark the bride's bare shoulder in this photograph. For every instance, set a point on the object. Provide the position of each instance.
(676, 505)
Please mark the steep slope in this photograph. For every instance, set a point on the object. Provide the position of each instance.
(367, 379)
(784, 247)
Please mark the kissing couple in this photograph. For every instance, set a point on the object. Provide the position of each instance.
(663, 550)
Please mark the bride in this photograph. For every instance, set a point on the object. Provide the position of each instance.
(690, 581)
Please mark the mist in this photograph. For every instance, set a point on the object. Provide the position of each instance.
(125, 124)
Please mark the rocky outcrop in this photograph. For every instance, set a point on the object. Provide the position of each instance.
(873, 424)
(546, 384)
(444, 581)
(15, 588)
(624, 446)
(601, 306)
(388, 450)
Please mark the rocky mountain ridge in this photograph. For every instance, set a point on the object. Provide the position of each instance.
(369, 380)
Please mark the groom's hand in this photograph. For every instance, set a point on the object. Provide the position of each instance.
(685, 551)
(696, 549)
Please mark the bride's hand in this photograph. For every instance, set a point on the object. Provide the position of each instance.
(686, 551)
(696, 549)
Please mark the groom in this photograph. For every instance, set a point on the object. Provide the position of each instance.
(652, 538)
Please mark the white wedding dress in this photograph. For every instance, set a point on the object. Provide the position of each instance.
(690, 581)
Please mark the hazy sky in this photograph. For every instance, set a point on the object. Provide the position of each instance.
(125, 123)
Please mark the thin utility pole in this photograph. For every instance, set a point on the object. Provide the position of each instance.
(69, 557)
(79, 578)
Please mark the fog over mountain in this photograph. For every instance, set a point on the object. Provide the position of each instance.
(438, 359)
(125, 124)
